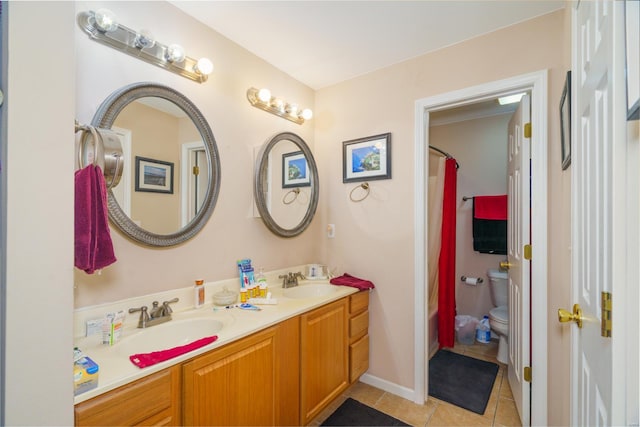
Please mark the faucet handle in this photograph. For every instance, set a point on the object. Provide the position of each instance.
(144, 316)
(167, 309)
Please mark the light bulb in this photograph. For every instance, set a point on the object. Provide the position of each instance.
(306, 114)
(292, 109)
(204, 66)
(175, 53)
(264, 95)
(144, 39)
(278, 104)
(105, 20)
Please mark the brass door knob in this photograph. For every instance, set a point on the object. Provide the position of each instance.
(504, 265)
(567, 316)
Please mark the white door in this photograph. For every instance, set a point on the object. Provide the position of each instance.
(518, 235)
(597, 239)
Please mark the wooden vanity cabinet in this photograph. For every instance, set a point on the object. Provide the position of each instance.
(358, 335)
(152, 400)
(323, 357)
(282, 375)
(253, 381)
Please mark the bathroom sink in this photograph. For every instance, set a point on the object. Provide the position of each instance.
(168, 335)
(310, 291)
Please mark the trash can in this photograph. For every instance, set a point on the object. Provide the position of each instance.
(466, 329)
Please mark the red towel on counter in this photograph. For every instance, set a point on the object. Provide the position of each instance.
(143, 360)
(354, 282)
(490, 207)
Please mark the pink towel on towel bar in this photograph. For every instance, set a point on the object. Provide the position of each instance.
(349, 280)
(490, 207)
(142, 360)
(93, 245)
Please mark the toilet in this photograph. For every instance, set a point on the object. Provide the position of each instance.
(499, 315)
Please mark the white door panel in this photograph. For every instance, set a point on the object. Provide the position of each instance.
(598, 241)
(518, 235)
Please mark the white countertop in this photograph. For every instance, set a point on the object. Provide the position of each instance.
(115, 368)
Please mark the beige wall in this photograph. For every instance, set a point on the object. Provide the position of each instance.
(38, 323)
(232, 232)
(375, 238)
(480, 147)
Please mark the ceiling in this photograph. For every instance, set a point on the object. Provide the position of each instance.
(321, 43)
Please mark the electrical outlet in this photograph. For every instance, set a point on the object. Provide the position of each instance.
(331, 231)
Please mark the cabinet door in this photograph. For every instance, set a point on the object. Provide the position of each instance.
(240, 384)
(324, 357)
(153, 400)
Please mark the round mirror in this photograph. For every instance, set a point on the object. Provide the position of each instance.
(171, 175)
(286, 185)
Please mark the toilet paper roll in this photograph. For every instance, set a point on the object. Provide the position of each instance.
(473, 281)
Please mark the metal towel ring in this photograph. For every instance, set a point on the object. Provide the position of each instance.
(364, 186)
(114, 172)
(295, 193)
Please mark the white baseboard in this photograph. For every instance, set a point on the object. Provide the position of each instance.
(398, 390)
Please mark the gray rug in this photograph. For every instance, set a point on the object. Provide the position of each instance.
(354, 413)
(461, 380)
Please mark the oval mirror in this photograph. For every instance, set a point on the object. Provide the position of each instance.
(286, 184)
(171, 176)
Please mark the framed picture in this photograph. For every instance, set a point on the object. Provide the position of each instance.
(154, 176)
(295, 171)
(565, 122)
(366, 159)
(632, 48)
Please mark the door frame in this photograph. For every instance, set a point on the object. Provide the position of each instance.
(537, 84)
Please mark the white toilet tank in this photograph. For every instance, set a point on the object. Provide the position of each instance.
(499, 287)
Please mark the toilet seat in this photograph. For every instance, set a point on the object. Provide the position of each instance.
(500, 314)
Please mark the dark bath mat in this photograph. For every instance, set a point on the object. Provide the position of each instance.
(461, 380)
(354, 413)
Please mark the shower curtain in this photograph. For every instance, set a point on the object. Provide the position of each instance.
(447, 260)
(436, 188)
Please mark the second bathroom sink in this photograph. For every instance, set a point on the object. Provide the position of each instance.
(310, 291)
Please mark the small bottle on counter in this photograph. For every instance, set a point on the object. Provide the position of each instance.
(262, 284)
(199, 293)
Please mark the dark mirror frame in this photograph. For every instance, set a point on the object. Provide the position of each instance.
(106, 116)
(260, 185)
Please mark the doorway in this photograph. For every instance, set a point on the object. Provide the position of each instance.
(536, 84)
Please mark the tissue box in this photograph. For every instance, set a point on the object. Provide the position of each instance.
(85, 375)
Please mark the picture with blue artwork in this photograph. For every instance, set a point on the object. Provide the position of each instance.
(366, 159)
(295, 170)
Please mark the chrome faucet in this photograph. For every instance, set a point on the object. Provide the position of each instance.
(159, 313)
(291, 279)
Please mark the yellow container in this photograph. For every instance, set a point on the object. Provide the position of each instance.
(85, 375)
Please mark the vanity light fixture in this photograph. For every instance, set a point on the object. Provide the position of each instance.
(103, 27)
(263, 100)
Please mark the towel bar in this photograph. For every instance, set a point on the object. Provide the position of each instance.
(364, 186)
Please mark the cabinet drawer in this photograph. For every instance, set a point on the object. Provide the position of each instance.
(153, 399)
(358, 325)
(358, 302)
(358, 358)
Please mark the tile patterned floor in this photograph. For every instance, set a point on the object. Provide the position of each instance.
(501, 409)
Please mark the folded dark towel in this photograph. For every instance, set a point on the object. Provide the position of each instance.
(354, 282)
(142, 360)
(490, 224)
(93, 245)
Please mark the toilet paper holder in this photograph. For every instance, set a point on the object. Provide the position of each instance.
(464, 279)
